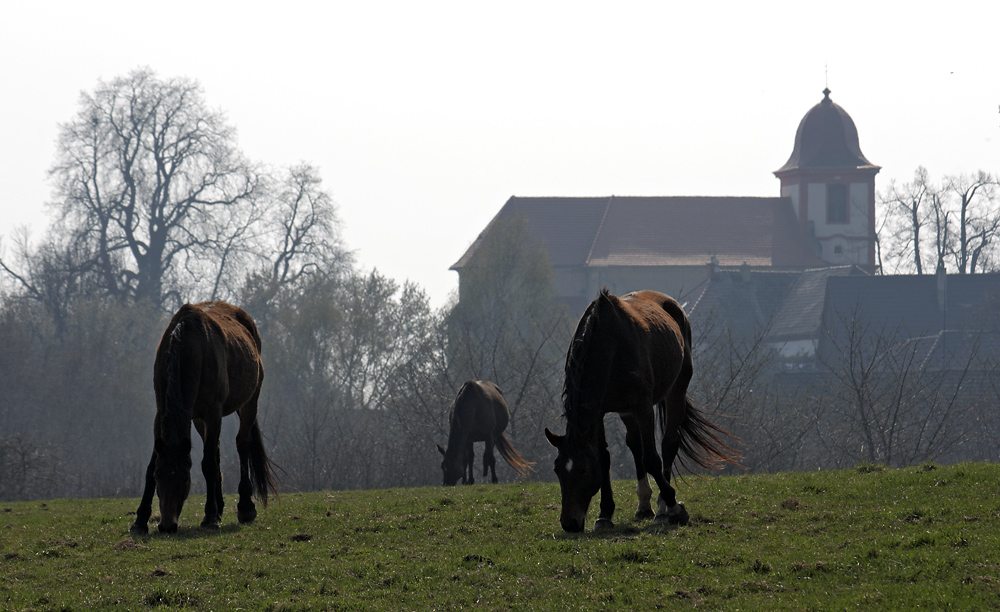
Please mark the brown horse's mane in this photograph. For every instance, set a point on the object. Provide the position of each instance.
(576, 363)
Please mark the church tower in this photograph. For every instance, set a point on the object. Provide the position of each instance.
(832, 186)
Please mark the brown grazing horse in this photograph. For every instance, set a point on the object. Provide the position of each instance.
(627, 355)
(207, 366)
(478, 414)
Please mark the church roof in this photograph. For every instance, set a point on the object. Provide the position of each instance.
(662, 231)
(826, 138)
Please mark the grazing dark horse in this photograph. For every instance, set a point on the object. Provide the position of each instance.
(479, 414)
(627, 355)
(207, 366)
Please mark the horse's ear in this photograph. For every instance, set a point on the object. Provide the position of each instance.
(554, 439)
(606, 298)
(440, 450)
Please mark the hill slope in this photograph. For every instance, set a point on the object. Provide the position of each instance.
(865, 538)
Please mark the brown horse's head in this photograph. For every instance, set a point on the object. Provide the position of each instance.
(578, 468)
(173, 483)
(452, 467)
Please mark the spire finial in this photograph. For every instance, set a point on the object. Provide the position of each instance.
(826, 94)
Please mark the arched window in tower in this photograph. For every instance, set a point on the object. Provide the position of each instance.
(836, 203)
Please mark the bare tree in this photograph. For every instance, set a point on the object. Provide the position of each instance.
(886, 401)
(925, 224)
(905, 211)
(139, 176)
(975, 197)
(297, 234)
(508, 326)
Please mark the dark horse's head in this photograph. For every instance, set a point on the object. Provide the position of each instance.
(579, 471)
(173, 482)
(452, 467)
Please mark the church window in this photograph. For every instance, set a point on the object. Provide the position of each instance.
(836, 203)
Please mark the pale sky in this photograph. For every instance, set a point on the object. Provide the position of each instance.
(424, 117)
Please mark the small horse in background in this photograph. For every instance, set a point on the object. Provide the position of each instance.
(627, 355)
(207, 366)
(478, 414)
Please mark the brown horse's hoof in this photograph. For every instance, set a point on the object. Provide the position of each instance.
(246, 517)
(138, 531)
(603, 523)
(208, 525)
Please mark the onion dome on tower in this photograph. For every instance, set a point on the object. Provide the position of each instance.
(826, 138)
(832, 185)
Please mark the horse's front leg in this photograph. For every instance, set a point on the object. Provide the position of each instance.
(139, 527)
(607, 497)
(211, 467)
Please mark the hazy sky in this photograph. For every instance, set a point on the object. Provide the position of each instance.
(424, 117)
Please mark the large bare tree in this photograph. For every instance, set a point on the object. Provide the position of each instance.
(141, 174)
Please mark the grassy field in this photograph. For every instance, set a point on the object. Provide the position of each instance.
(924, 537)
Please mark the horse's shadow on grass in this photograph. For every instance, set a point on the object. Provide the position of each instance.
(628, 528)
(192, 532)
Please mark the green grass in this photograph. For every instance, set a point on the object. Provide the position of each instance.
(869, 538)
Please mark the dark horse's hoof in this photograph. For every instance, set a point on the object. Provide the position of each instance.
(644, 515)
(603, 523)
(138, 531)
(246, 517)
(677, 516)
(168, 528)
(208, 525)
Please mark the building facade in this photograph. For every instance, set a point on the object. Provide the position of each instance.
(824, 216)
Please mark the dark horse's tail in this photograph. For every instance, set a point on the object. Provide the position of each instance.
(703, 441)
(512, 457)
(261, 469)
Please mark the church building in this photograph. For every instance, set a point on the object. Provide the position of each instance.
(823, 217)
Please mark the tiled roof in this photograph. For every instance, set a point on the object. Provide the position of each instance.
(911, 301)
(954, 349)
(801, 316)
(663, 231)
(909, 304)
(739, 300)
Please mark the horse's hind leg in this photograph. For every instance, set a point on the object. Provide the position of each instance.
(139, 527)
(667, 506)
(633, 439)
(468, 464)
(246, 510)
(489, 461)
(669, 510)
(211, 467)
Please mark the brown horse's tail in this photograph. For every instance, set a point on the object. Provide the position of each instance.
(261, 473)
(703, 442)
(512, 457)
